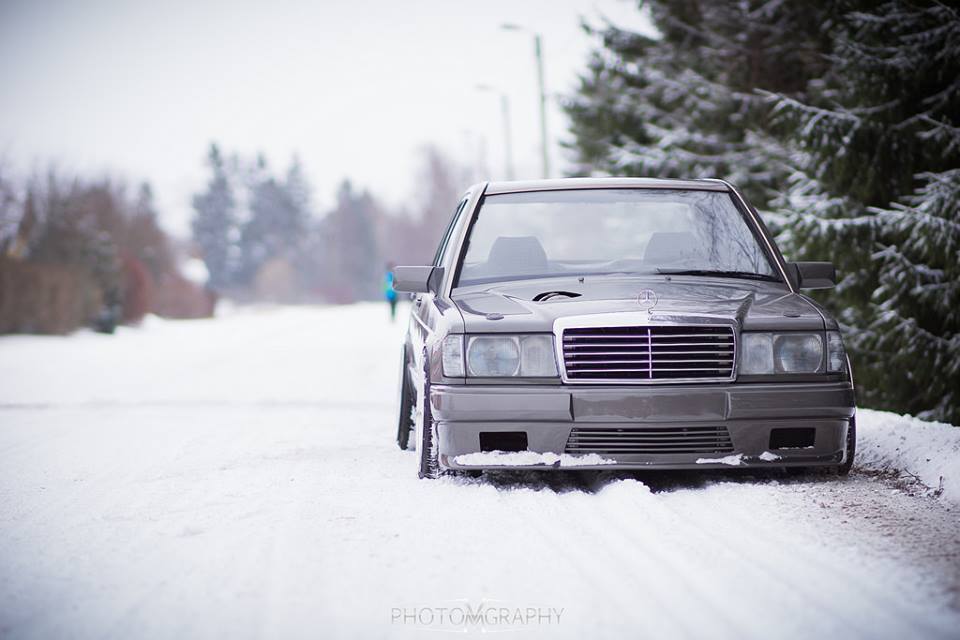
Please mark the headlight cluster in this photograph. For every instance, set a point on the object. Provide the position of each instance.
(794, 352)
(499, 356)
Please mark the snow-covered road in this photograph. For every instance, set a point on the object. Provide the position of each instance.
(238, 478)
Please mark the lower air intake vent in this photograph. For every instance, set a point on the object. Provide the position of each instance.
(649, 440)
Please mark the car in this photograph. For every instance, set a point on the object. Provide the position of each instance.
(619, 323)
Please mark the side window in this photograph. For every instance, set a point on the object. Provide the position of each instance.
(446, 234)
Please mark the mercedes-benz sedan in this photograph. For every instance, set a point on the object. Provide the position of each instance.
(619, 323)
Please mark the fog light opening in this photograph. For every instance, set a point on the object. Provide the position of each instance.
(503, 441)
(795, 438)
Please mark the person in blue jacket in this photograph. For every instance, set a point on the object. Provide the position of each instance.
(389, 293)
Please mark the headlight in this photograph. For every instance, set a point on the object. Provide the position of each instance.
(798, 352)
(768, 353)
(493, 356)
(537, 358)
(499, 356)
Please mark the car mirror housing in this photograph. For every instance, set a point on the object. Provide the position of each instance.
(424, 279)
(813, 275)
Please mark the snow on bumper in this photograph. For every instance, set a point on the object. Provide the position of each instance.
(554, 419)
(529, 459)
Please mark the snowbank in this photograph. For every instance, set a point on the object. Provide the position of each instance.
(928, 450)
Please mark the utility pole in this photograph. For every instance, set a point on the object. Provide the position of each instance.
(538, 52)
(538, 49)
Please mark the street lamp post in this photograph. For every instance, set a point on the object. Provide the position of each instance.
(538, 52)
(507, 137)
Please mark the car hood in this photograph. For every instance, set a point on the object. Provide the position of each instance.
(747, 304)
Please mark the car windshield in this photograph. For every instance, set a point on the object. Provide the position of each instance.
(607, 231)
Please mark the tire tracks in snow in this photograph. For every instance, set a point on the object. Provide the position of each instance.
(609, 561)
(827, 582)
(652, 560)
(654, 566)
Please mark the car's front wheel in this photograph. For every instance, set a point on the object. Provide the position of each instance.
(427, 432)
(406, 404)
(844, 469)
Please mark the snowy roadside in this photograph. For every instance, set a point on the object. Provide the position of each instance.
(238, 477)
(927, 451)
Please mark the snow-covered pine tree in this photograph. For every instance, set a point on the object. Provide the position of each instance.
(881, 128)
(214, 222)
(683, 104)
(298, 189)
(307, 256)
(915, 326)
(276, 226)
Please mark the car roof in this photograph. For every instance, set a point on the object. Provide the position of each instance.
(558, 184)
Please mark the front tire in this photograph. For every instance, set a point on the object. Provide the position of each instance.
(406, 404)
(429, 458)
(844, 469)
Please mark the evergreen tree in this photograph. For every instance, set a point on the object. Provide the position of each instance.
(298, 188)
(309, 249)
(214, 222)
(278, 220)
(878, 135)
(683, 104)
(9, 212)
(841, 117)
(915, 326)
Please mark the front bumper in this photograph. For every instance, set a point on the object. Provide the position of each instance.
(547, 415)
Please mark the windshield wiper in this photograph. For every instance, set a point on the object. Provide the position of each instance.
(747, 275)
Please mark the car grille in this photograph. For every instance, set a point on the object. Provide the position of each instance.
(648, 354)
(649, 440)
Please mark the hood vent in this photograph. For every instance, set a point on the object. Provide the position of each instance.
(550, 295)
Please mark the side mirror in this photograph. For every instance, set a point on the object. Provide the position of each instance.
(417, 279)
(812, 275)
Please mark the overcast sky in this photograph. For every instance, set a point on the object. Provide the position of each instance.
(138, 89)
